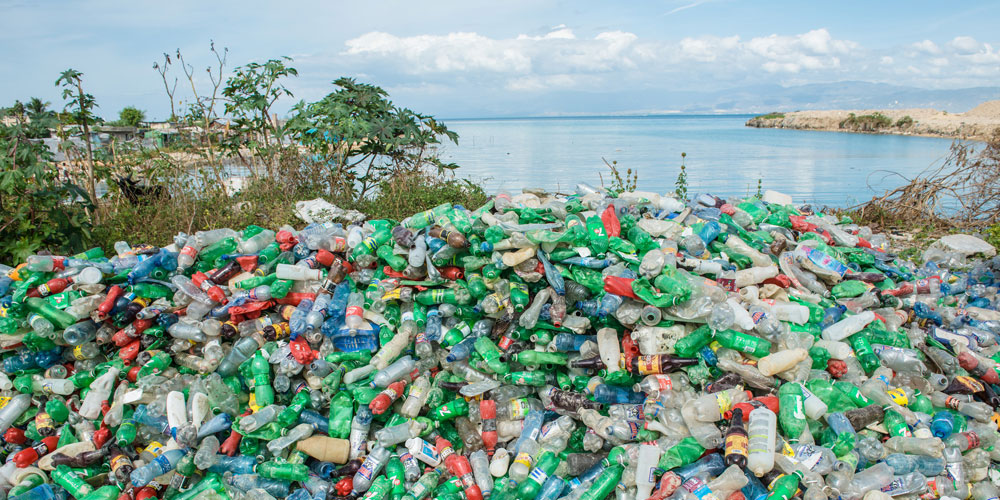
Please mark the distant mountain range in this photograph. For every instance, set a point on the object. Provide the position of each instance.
(749, 100)
(846, 95)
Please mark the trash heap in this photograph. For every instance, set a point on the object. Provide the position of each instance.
(588, 346)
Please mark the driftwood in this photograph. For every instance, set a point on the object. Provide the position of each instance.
(962, 192)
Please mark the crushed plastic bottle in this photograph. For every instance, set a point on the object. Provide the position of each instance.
(541, 346)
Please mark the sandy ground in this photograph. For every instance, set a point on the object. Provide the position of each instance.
(978, 123)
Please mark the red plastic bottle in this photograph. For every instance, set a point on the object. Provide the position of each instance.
(770, 402)
(384, 400)
(214, 292)
(301, 351)
(488, 414)
(14, 436)
(29, 456)
(109, 302)
(344, 486)
(459, 467)
(130, 351)
(54, 285)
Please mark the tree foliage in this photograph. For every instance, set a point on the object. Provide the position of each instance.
(131, 116)
(39, 208)
(79, 110)
(364, 138)
(251, 92)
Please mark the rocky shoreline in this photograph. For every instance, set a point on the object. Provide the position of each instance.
(979, 123)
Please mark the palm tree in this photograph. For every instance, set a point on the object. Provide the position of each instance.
(37, 107)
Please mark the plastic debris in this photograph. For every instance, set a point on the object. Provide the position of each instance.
(539, 347)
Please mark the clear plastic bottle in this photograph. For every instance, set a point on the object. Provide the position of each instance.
(370, 469)
(360, 425)
(296, 434)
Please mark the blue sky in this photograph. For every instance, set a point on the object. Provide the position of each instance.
(474, 58)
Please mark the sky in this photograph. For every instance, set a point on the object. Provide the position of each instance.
(518, 57)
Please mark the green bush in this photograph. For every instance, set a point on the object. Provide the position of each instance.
(39, 208)
(866, 123)
(904, 122)
(774, 115)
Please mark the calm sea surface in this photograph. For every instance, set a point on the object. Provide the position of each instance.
(723, 156)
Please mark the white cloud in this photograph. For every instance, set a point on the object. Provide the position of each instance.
(814, 50)
(558, 51)
(965, 45)
(451, 52)
(927, 46)
(562, 59)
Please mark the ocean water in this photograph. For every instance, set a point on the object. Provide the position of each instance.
(724, 157)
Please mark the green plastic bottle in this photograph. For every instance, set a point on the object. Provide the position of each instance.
(286, 471)
(341, 414)
(683, 453)
(791, 410)
(604, 484)
(743, 342)
(544, 467)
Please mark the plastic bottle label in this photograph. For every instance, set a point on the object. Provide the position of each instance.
(649, 364)
(519, 408)
(366, 470)
(894, 488)
(154, 448)
(808, 456)
(539, 475)
(725, 402)
(698, 488)
(973, 439)
(736, 444)
(898, 396)
(78, 353)
(824, 261)
(972, 384)
(523, 458)
(727, 284)
(664, 382)
(952, 402)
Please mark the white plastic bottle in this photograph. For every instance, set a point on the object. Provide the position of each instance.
(848, 326)
(760, 448)
(645, 473)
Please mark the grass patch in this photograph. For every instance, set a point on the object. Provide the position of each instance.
(269, 202)
(774, 115)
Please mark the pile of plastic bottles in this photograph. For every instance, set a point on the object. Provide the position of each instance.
(596, 345)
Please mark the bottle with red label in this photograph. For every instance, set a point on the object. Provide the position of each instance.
(460, 467)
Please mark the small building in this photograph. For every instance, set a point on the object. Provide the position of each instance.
(120, 134)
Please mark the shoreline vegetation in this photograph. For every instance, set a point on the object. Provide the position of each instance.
(977, 124)
(228, 161)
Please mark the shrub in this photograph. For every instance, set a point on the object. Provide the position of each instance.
(620, 184)
(774, 115)
(39, 207)
(866, 123)
(904, 122)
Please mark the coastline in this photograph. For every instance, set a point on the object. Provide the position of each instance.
(978, 124)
